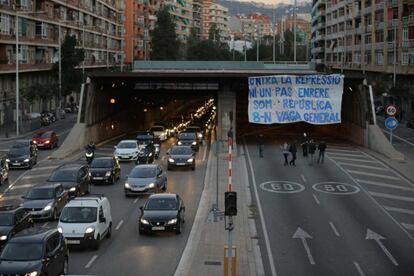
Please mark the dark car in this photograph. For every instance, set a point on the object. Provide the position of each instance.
(146, 150)
(13, 219)
(145, 179)
(105, 169)
(35, 251)
(73, 177)
(25, 143)
(46, 139)
(198, 131)
(4, 169)
(21, 157)
(188, 139)
(181, 156)
(45, 201)
(162, 212)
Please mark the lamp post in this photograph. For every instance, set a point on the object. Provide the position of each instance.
(294, 32)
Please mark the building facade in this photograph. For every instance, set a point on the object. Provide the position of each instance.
(215, 14)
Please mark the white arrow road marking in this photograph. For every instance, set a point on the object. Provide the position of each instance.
(302, 235)
(89, 264)
(371, 235)
(119, 225)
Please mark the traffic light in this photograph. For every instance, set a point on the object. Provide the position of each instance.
(230, 203)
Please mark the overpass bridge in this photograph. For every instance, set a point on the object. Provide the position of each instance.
(115, 103)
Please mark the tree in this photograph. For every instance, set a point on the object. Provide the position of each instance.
(165, 44)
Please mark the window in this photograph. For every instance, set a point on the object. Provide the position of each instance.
(24, 4)
(5, 24)
(405, 34)
(404, 58)
(379, 58)
(24, 54)
(52, 244)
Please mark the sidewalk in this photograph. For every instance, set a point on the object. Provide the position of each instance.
(204, 252)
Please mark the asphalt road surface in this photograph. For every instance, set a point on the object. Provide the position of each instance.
(350, 216)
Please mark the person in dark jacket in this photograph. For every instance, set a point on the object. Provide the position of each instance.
(311, 150)
(305, 148)
(293, 150)
(321, 148)
(285, 151)
(260, 141)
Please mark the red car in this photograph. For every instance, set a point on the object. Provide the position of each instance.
(46, 139)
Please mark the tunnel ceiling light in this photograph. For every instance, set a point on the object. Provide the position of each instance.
(350, 88)
(161, 108)
(112, 100)
(145, 110)
(113, 85)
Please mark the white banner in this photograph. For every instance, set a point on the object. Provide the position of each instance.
(315, 99)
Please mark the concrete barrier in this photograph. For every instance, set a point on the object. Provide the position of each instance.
(379, 143)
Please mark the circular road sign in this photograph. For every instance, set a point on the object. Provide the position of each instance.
(391, 110)
(336, 188)
(282, 187)
(391, 123)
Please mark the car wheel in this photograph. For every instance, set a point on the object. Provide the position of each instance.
(97, 243)
(179, 229)
(65, 269)
(109, 234)
(141, 232)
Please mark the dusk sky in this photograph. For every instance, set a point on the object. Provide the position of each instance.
(273, 1)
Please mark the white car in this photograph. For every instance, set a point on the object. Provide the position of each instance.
(159, 131)
(127, 150)
(85, 221)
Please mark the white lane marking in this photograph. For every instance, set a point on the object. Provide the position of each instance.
(399, 210)
(303, 178)
(205, 154)
(44, 168)
(402, 198)
(36, 176)
(363, 166)
(340, 150)
(316, 199)
(119, 224)
(136, 200)
(4, 197)
(345, 155)
(374, 174)
(334, 229)
(371, 235)
(354, 160)
(358, 268)
(163, 158)
(21, 187)
(89, 264)
(302, 235)
(408, 226)
(45, 224)
(264, 228)
(385, 185)
(398, 137)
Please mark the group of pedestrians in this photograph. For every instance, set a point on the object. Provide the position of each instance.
(309, 149)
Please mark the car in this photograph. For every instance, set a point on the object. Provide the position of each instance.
(35, 251)
(46, 139)
(197, 130)
(162, 212)
(21, 157)
(13, 219)
(73, 177)
(85, 221)
(159, 131)
(4, 169)
(45, 201)
(146, 149)
(145, 179)
(105, 169)
(188, 139)
(181, 156)
(126, 150)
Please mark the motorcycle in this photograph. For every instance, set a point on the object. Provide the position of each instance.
(156, 151)
(89, 154)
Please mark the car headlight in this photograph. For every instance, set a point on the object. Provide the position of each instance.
(179, 143)
(34, 142)
(127, 186)
(144, 221)
(190, 160)
(26, 160)
(7, 160)
(194, 143)
(48, 207)
(34, 273)
(151, 185)
(47, 142)
(172, 221)
(200, 135)
(60, 229)
(72, 189)
(89, 154)
(150, 154)
(89, 230)
(171, 160)
(3, 238)
(108, 173)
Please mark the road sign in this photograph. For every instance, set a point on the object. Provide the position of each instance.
(391, 123)
(391, 110)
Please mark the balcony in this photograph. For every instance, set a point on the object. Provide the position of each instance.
(380, 25)
(379, 45)
(368, 10)
(408, 43)
(379, 6)
(392, 3)
(408, 20)
(392, 23)
(317, 50)
(11, 68)
(369, 28)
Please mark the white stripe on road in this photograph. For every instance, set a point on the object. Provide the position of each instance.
(334, 229)
(136, 200)
(374, 175)
(264, 228)
(402, 198)
(385, 185)
(399, 210)
(408, 226)
(119, 225)
(163, 158)
(205, 154)
(45, 224)
(340, 150)
(44, 168)
(358, 268)
(303, 178)
(354, 160)
(89, 264)
(36, 176)
(5, 197)
(346, 155)
(316, 199)
(21, 187)
(398, 137)
(363, 166)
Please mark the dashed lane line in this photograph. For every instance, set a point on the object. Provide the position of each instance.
(45, 224)
(399, 210)
(385, 185)
(401, 198)
(21, 187)
(364, 166)
(408, 226)
(346, 155)
(354, 160)
(163, 158)
(358, 268)
(35, 176)
(334, 229)
(303, 178)
(119, 224)
(340, 150)
(373, 174)
(136, 200)
(44, 168)
(316, 199)
(89, 264)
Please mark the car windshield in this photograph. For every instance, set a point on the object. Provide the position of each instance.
(181, 151)
(161, 204)
(6, 219)
(187, 136)
(19, 151)
(21, 143)
(127, 145)
(40, 193)
(143, 172)
(14, 251)
(193, 129)
(157, 128)
(43, 135)
(102, 163)
(63, 176)
(78, 215)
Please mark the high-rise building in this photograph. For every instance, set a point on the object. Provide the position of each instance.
(318, 31)
(215, 14)
(182, 13)
(198, 17)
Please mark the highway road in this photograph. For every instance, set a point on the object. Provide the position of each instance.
(352, 215)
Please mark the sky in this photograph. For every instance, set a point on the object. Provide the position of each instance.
(273, 2)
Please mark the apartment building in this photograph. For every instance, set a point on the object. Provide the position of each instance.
(182, 13)
(198, 17)
(215, 14)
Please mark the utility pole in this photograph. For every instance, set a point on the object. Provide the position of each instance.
(60, 69)
(17, 71)
(294, 33)
(274, 36)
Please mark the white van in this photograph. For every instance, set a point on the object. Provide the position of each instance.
(85, 221)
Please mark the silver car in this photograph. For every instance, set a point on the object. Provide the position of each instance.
(145, 179)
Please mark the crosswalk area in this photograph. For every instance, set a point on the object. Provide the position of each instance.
(386, 186)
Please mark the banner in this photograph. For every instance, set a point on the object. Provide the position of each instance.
(315, 99)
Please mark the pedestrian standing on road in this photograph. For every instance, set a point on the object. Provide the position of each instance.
(311, 150)
(305, 148)
(285, 151)
(321, 148)
(260, 140)
(293, 150)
